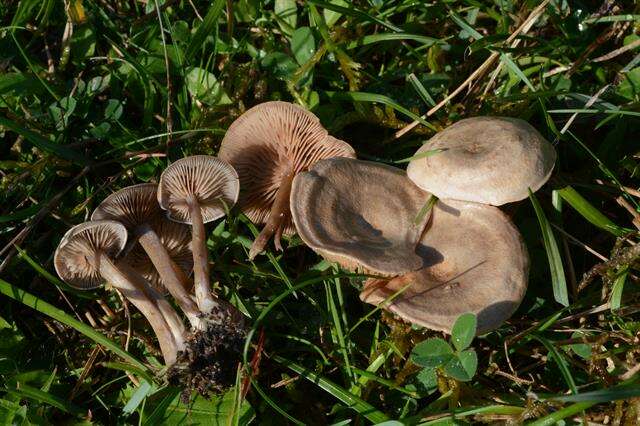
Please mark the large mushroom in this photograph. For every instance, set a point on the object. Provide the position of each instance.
(196, 190)
(136, 207)
(361, 214)
(85, 259)
(268, 146)
(490, 160)
(475, 261)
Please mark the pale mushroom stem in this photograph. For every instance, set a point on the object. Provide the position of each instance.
(276, 218)
(168, 271)
(113, 274)
(170, 315)
(205, 300)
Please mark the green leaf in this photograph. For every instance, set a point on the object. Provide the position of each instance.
(204, 86)
(165, 407)
(589, 212)
(583, 350)
(558, 280)
(25, 391)
(83, 43)
(303, 45)
(463, 331)
(601, 395)
(287, 12)
(463, 366)
(332, 17)
(558, 358)
(428, 380)
(432, 353)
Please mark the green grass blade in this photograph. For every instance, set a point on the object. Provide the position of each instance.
(616, 291)
(589, 212)
(382, 99)
(356, 13)
(377, 38)
(558, 279)
(44, 143)
(555, 418)
(41, 306)
(421, 90)
(25, 391)
(206, 28)
(560, 362)
(601, 395)
(359, 405)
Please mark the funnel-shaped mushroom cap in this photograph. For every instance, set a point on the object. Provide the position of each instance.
(132, 206)
(176, 238)
(75, 257)
(475, 261)
(269, 142)
(490, 160)
(360, 214)
(212, 181)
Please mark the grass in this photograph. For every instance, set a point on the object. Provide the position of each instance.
(96, 95)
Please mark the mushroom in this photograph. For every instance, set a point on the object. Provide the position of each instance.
(136, 207)
(85, 259)
(475, 261)
(268, 146)
(196, 190)
(360, 214)
(490, 160)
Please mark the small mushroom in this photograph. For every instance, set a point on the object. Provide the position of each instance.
(360, 214)
(196, 190)
(268, 146)
(85, 259)
(490, 160)
(136, 207)
(475, 261)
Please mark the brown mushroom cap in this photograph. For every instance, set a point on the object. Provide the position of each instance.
(267, 142)
(137, 205)
(490, 160)
(131, 206)
(211, 180)
(74, 258)
(476, 262)
(360, 214)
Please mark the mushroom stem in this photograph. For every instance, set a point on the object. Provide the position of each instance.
(121, 280)
(168, 271)
(279, 212)
(170, 315)
(205, 300)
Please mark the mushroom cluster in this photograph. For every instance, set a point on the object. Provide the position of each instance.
(433, 234)
(433, 237)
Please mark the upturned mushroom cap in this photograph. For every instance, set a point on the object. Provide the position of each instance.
(211, 180)
(475, 262)
(360, 214)
(176, 238)
(267, 142)
(74, 258)
(490, 160)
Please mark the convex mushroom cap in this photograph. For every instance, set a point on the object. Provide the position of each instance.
(360, 214)
(268, 145)
(490, 160)
(475, 262)
(75, 258)
(210, 181)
